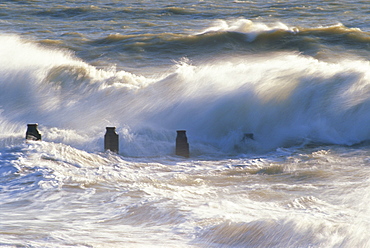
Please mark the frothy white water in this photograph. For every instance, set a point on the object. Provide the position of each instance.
(300, 91)
(284, 99)
(65, 196)
(249, 28)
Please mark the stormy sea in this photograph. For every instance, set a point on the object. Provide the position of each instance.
(273, 96)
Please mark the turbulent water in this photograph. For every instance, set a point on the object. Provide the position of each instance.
(295, 74)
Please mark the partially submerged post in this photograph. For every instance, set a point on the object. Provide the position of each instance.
(248, 136)
(111, 140)
(182, 145)
(32, 132)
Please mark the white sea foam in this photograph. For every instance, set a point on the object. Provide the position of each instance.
(303, 94)
(249, 28)
(285, 100)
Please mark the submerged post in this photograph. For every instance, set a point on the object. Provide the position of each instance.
(182, 145)
(111, 140)
(248, 136)
(32, 132)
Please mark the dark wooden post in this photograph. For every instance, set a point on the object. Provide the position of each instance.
(32, 132)
(111, 140)
(248, 136)
(182, 145)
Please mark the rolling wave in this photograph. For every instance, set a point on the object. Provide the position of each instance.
(285, 98)
(242, 37)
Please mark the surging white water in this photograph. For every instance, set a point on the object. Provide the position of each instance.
(285, 71)
(310, 199)
(285, 99)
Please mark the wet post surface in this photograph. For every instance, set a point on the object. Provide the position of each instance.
(182, 145)
(32, 132)
(111, 140)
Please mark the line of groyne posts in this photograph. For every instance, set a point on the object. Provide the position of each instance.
(111, 140)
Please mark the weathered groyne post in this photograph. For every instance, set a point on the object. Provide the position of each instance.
(32, 132)
(248, 136)
(182, 145)
(111, 140)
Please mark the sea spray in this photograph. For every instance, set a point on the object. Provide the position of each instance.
(251, 29)
(273, 97)
(284, 99)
